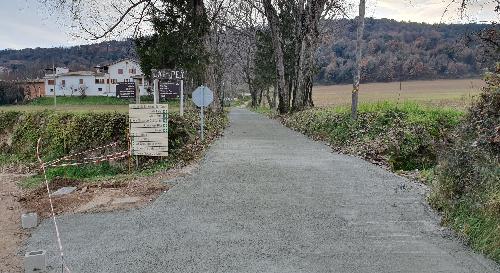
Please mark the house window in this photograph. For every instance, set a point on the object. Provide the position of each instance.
(107, 81)
(99, 89)
(99, 81)
(120, 71)
(113, 81)
(140, 81)
(81, 81)
(132, 70)
(50, 82)
(63, 83)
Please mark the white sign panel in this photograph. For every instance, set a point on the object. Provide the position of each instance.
(168, 74)
(203, 96)
(149, 129)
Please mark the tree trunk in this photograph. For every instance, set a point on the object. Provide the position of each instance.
(253, 94)
(269, 100)
(273, 20)
(261, 92)
(357, 71)
(275, 94)
(308, 45)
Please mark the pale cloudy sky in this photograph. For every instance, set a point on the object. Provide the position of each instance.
(27, 23)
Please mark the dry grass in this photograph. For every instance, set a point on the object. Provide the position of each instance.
(451, 93)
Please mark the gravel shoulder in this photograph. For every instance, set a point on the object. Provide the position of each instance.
(267, 199)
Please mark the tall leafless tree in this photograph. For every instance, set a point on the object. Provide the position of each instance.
(359, 55)
(307, 15)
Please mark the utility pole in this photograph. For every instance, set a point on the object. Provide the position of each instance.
(54, 74)
(357, 70)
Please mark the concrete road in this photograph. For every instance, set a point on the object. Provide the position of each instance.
(267, 199)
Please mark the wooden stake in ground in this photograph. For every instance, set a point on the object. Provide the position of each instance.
(357, 70)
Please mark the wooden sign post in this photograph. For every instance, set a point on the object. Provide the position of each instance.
(172, 76)
(149, 129)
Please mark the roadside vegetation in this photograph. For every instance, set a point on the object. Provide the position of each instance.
(78, 100)
(405, 136)
(466, 184)
(454, 151)
(68, 133)
(78, 104)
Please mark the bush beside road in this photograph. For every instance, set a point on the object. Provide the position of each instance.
(65, 133)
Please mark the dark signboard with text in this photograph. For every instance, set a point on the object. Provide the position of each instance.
(170, 90)
(125, 90)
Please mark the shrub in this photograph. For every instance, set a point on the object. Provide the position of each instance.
(467, 187)
(406, 137)
(10, 93)
(68, 133)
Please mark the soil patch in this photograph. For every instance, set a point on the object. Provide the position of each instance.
(10, 223)
(115, 194)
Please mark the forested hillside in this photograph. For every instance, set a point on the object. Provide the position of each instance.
(399, 50)
(393, 51)
(31, 62)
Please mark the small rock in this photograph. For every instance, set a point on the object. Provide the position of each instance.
(11, 208)
(64, 191)
(84, 189)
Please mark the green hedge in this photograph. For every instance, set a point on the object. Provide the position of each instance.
(406, 136)
(66, 133)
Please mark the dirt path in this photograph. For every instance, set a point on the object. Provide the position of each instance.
(267, 199)
(11, 234)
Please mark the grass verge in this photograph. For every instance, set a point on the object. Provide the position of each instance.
(404, 136)
(68, 133)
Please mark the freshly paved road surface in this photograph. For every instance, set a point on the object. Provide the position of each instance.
(267, 199)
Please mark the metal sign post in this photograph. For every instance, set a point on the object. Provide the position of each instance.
(202, 123)
(182, 98)
(203, 97)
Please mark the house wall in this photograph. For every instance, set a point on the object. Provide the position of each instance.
(71, 86)
(33, 89)
(130, 69)
(106, 87)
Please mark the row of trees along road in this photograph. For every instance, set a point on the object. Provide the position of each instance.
(265, 44)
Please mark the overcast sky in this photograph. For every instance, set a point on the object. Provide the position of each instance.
(27, 23)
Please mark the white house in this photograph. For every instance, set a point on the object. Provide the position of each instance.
(101, 82)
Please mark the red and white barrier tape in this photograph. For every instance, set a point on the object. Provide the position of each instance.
(87, 160)
(58, 235)
(95, 160)
(80, 153)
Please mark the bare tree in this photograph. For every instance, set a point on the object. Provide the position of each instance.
(277, 39)
(359, 55)
(304, 39)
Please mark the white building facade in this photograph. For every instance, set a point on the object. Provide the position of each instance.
(101, 82)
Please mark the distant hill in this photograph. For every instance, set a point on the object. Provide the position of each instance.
(392, 51)
(31, 62)
(399, 50)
